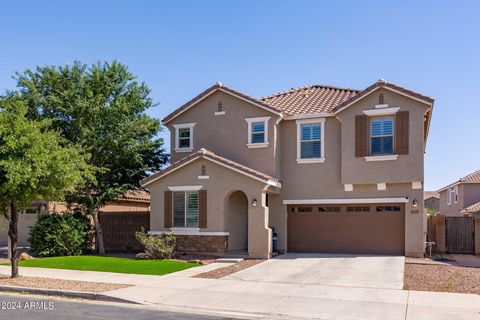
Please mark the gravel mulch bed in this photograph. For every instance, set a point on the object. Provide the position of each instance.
(442, 278)
(58, 284)
(222, 272)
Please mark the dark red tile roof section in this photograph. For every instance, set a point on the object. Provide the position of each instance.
(208, 154)
(136, 195)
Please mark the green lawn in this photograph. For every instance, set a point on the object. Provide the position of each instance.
(110, 264)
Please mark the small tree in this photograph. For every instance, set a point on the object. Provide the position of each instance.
(35, 163)
(103, 109)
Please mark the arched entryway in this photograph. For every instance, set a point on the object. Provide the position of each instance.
(236, 221)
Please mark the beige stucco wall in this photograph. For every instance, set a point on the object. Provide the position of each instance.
(453, 209)
(471, 194)
(219, 186)
(227, 135)
(407, 168)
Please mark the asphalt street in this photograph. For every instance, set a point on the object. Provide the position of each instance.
(20, 307)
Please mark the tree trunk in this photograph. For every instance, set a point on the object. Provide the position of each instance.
(13, 234)
(98, 233)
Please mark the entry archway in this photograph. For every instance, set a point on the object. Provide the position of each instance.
(236, 220)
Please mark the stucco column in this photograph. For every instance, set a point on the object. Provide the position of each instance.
(415, 231)
(440, 233)
(477, 234)
(259, 235)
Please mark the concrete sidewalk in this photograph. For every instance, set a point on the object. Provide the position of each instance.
(271, 300)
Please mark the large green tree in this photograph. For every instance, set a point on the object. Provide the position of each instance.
(35, 163)
(102, 108)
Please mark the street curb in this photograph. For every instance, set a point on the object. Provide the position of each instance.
(66, 293)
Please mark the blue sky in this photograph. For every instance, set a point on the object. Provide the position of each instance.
(179, 48)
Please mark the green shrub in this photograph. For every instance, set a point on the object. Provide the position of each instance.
(157, 247)
(60, 235)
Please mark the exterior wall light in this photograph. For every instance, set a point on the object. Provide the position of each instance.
(254, 202)
(415, 203)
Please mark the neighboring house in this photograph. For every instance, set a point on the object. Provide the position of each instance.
(461, 197)
(326, 169)
(131, 201)
(432, 200)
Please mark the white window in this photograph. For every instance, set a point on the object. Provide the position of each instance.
(185, 209)
(381, 136)
(452, 195)
(184, 137)
(311, 140)
(257, 132)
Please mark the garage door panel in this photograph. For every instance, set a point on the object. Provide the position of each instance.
(347, 232)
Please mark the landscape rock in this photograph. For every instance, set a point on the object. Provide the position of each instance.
(24, 256)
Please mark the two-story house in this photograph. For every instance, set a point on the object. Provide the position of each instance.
(324, 169)
(461, 197)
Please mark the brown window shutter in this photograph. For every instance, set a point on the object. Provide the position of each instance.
(401, 132)
(168, 209)
(361, 136)
(202, 209)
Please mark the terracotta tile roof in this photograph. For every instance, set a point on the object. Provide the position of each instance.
(309, 99)
(303, 100)
(431, 194)
(215, 87)
(470, 178)
(138, 195)
(203, 153)
(472, 209)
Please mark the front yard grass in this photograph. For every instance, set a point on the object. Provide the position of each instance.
(110, 264)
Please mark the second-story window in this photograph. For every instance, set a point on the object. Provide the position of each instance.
(184, 137)
(381, 136)
(310, 140)
(257, 132)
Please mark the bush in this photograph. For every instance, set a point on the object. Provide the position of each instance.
(60, 235)
(157, 247)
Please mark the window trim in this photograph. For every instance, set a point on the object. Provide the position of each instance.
(381, 157)
(250, 121)
(455, 194)
(177, 136)
(299, 123)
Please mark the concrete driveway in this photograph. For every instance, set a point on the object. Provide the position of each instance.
(347, 270)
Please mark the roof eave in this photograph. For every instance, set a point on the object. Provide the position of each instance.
(220, 87)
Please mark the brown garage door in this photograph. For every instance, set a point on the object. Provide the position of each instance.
(375, 228)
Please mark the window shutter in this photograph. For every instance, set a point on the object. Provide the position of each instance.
(202, 209)
(361, 136)
(168, 209)
(401, 134)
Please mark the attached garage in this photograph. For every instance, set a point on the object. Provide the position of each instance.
(355, 228)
